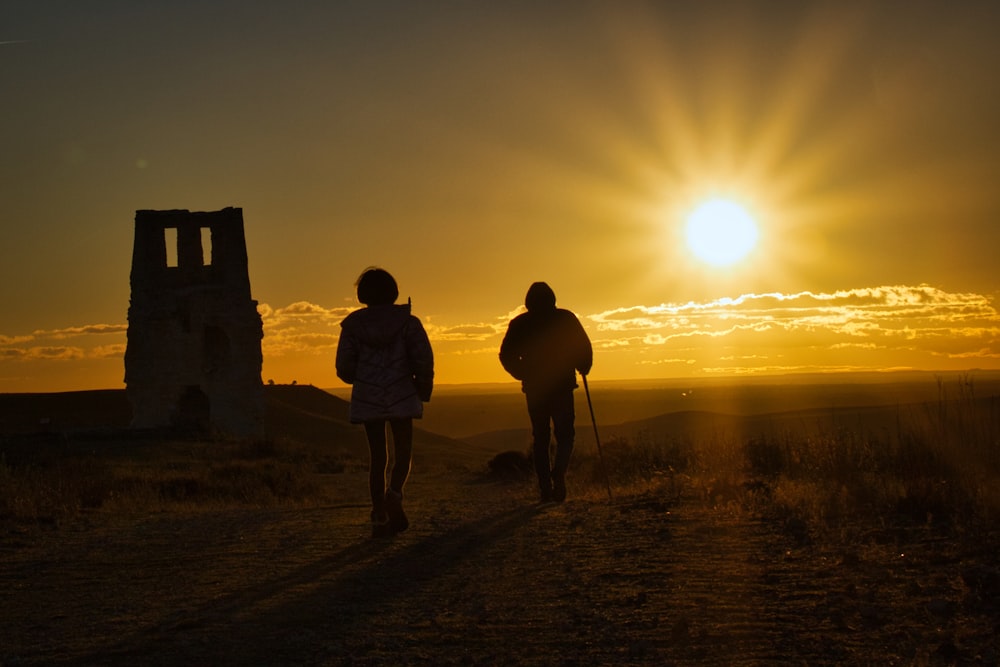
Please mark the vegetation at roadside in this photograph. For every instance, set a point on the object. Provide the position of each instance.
(922, 464)
(48, 477)
(936, 464)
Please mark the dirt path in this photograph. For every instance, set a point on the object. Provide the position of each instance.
(483, 577)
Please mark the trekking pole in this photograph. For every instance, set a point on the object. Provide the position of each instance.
(597, 438)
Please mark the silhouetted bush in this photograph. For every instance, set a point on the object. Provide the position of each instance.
(511, 465)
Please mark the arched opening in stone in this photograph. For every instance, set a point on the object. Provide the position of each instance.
(193, 410)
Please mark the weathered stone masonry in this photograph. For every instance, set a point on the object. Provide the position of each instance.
(193, 358)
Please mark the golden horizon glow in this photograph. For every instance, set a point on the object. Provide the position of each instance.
(880, 328)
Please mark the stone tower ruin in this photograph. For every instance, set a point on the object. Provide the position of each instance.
(193, 359)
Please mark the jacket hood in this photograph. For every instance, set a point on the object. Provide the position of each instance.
(540, 298)
(377, 326)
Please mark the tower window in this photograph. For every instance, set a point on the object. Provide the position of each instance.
(170, 238)
(206, 246)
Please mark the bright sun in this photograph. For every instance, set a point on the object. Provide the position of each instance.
(721, 232)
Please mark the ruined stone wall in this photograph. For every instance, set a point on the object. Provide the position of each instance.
(193, 358)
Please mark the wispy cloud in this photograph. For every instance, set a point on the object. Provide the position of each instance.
(301, 312)
(116, 351)
(55, 353)
(908, 311)
(36, 345)
(309, 328)
(888, 326)
(893, 319)
(88, 329)
(464, 332)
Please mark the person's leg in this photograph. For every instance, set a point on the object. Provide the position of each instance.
(563, 416)
(402, 439)
(540, 414)
(375, 431)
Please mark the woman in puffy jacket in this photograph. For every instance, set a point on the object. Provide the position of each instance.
(384, 353)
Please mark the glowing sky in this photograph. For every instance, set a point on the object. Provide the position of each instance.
(472, 148)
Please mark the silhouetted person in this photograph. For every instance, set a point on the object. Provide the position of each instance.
(384, 353)
(543, 348)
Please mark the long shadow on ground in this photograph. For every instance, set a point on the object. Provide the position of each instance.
(318, 611)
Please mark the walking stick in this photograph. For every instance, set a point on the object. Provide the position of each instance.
(597, 438)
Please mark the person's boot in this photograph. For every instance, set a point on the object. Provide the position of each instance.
(381, 526)
(394, 508)
(558, 487)
(545, 492)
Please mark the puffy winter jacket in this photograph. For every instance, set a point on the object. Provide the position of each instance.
(384, 353)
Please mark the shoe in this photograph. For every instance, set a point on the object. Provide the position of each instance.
(381, 526)
(558, 488)
(545, 494)
(394, 508)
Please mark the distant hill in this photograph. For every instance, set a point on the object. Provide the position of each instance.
(496, 416)
(64, 411)
(879, 421)
(299, 412)
(480, 424)
(308, 414)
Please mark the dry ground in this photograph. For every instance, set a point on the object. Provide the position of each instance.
(487, 577)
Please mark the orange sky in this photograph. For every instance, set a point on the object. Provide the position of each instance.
(473, 148)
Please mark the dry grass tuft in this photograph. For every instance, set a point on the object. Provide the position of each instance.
(939, 466)
(48, 479)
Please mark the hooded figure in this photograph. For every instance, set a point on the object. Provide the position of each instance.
(544, 348)
(384, 353)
